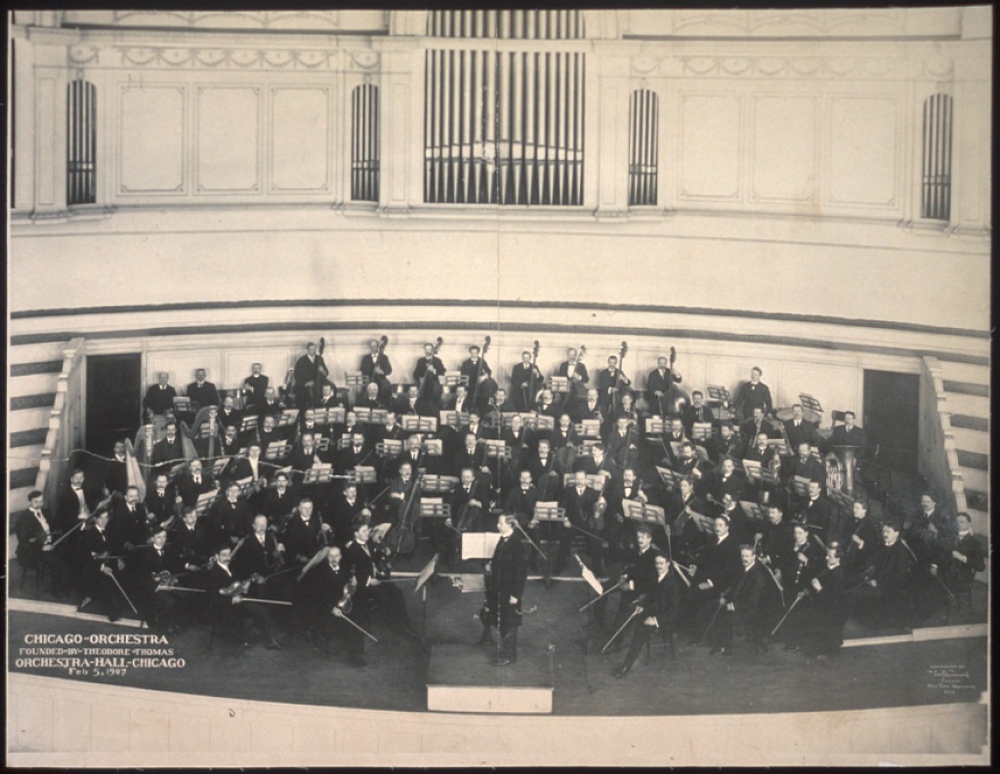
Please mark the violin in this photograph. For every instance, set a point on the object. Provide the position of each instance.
(345, 604)
(381, 560)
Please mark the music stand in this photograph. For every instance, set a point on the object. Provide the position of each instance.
(842, 498)
(414, 423)
(530, 420)
(277, 450)
(175, 471)
(337, 415)
(671, 479)
(559, 385)
(753, 469)
(380, 416)
(434, 508)
(390, 447)
(245, 485)
(248, 424)
(205, 500)
(439, 484)
(364, 414)
(753, 511)
(655, 428)
(811, 406)
(497, 449)
(780, 445)
(586, 448)
(801, 484)
(319, 473)
(479, 545)
(549, 511)
(589, 428)
(454, 380)
(355, 379)
(344, 442)
(701, 431)
(705, 524)
(433, 447)
(507, 417)
(184, 405)
(592, 479)
(218, 466)
(362, 474)
(643, 513)
(453, 419)
(322, 444)
(545, 423)
(288, 418)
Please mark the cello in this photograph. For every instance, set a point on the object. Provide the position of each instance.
(401, 538)
(620, 378)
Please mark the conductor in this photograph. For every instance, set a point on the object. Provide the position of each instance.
(506, 574)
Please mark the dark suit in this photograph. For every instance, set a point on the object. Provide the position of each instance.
(320, 591)
(307, 370)
(805, 432)
(301, 539)
(751, 396)
(189, 489)
(159, 400)
(341, 518)
(188, 546)
(690, 415)
(234, 418)
(255, 387)
(387, 597)
(242, 617)
(116, 475)
(818, 515)
(520, 382)
(31, 536)
(228, 520)
(745, 596)
(166, 454)
(368, 364)
(657, 381)
(95, 583)
(157, 610)
(662, 603)
(203, 394)
(507, 576)
(855, 437)
(579, 511)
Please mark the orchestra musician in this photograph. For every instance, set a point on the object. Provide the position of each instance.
(34, 533)
(329, 398)
(377, 368)
(638, 577)
(168, 451)
(564, 433)
(753, 427)
(860, 540)
(819, 514)
(886, 602)
(659, 608)
(99, 564)
(716, 569)
(696, 411)
(324, 593)
(262, 555)
(687, 536)
(958, 568)
(271, 405)
(799, 431)
(431, 366)
(159, 397)
(726, 444)
(753, 394)
(115, 475)
(192, 482)
(143, 569)
(848, 434)
(546, 405)
(658, 386)
(818, 629)
(254, 387)
(226, 595)
(457, 400)
(573, 369)
(131, 522)
(372, 398)
(229, 518)
(310, 372)
(346, 507)
(202, 392)
(608, 380)
(476, 369)
(740, 605)
(229, 415)
(582, 509)
(727, 480)
(189, 544)
(542, 468)
(303, 534)
(521, 377)
(373, 594)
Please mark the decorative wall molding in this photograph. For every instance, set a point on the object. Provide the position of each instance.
(805, 67)
(265, 20)
(219, 58)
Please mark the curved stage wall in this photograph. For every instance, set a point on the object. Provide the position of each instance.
(59, 722)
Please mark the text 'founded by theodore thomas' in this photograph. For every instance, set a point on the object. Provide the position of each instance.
(96, 655)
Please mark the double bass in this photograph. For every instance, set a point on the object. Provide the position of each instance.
(577, 389)
(677, 398)
(401, 538)
(616, 390)
(430, 389)
(321, 374)
(485, 388)
(378, 375)
(531, 399)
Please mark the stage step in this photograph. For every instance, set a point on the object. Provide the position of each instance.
(975, 479)
(971, 440)
(33, 419)
(461, 678)
(967, 388)
(968, 422)
(970, 459)
(965, 372)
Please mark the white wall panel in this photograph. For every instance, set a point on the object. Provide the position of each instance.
(784, 148)
(710, 146)
(274, 361)
(227, 151)
(863, 151)
(300, 139)
(151, 149)
(181, 365)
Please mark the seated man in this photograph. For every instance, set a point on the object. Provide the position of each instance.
(372, 594)
(848, 434)
(658, 609)
(324, 592)
(99, 564)
(142, 576)
(697, 411)
(716, 569)
(800, 431)
(194, 482)
(581, 504)
(229, 518)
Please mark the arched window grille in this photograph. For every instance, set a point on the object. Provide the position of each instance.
(516, 25)
(936, 189)
(364, 143)
(643, 150)
(81, 134)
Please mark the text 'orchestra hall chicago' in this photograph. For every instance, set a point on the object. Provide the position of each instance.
(512, 363)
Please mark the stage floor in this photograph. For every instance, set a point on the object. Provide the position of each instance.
(871, 676)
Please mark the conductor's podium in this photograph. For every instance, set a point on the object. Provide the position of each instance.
(462, 678)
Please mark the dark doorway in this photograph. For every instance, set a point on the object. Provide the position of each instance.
(113, 396)
(892, 417)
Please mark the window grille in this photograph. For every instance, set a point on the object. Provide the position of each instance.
(644, 117)
(364, 143)
(517, 25)
(936, 198)
(81, 118)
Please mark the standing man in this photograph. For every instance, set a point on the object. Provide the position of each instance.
(521, 377)
(201, 392)
(376, 366)
(254, 387)
(574, 370)
(431, 366)
(753, 394)
(160, 397)
(506, 574)
(477, 371)
(607, 382)
(658, 385)
(310, 372)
